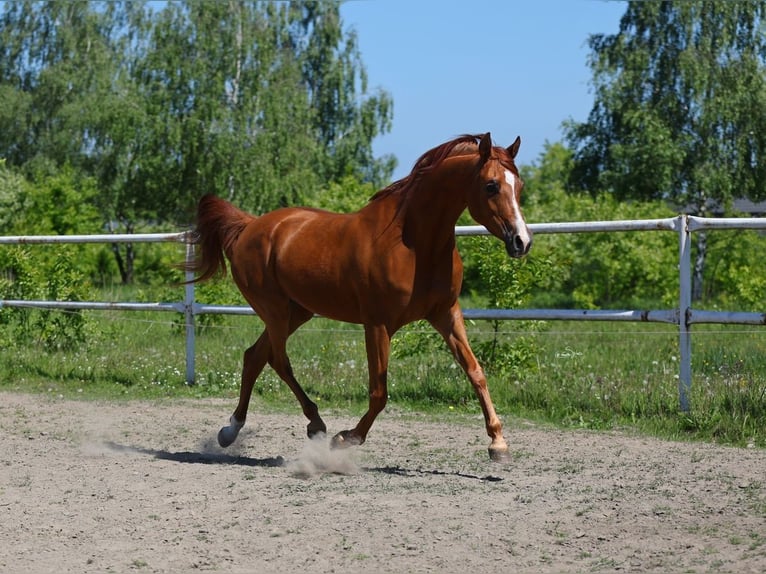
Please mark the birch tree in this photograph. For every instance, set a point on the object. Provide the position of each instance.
(679, 111)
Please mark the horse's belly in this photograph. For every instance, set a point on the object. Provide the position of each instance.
(349, 306)
(351, 298)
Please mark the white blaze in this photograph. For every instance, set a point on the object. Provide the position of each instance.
(518, 224)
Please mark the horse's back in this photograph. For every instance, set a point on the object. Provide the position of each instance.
(349, 267)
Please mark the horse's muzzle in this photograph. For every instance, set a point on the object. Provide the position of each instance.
(518, 245)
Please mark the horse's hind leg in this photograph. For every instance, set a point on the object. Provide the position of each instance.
(378, 343)
(255, 359)
(253, 363)
(280, 362)
(282, 318)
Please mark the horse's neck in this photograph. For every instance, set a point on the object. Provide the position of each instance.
(431, 211)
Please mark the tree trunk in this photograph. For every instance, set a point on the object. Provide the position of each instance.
(126, 264)
(120, 263)
(130, 256)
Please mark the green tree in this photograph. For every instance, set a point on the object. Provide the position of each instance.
(347, 195)
(57, 80)
(66, 99)
(12, 192)
(335, 77)
(264, 103)
(680, 108)
(58, 204)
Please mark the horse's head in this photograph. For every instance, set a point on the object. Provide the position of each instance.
(494, 201)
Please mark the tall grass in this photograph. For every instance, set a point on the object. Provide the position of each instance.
(594, 375)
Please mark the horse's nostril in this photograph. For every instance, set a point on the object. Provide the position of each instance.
(518, 244)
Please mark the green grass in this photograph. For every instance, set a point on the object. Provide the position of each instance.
(592, 375)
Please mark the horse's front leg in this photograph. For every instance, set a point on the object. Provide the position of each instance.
(378, 343)
(451, 326)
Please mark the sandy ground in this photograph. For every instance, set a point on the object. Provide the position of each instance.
(118, 487)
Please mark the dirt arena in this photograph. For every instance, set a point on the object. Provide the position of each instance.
(119, 487)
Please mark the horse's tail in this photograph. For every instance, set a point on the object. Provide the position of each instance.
(219, 224)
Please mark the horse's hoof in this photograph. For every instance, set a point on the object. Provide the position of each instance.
(345, 439)
(501, 455)
(316, 430)
(227, 435)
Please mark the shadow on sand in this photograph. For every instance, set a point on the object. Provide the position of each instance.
(189, 457)
(399, 471)
(200, 457)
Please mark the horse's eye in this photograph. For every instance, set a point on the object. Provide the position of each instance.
(493, 188)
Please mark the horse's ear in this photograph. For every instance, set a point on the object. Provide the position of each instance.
(485, 147)
(513, 149)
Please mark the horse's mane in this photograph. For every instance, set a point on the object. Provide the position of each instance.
(461, 145)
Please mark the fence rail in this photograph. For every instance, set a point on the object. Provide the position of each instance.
(683, 316)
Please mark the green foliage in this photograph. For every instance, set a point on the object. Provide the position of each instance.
(344, 196)
(218, 292)
(508, 284)
(12, 193)
(735, 279)
(25, 277)
(60, 203)
(630, 269)
(263, 103)
(597, 270)
(416, 339)
(58, 330)
(680, 109)
(54, 204)
(749, 285)
(621, 269)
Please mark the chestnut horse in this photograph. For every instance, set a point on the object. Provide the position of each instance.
(389, 264)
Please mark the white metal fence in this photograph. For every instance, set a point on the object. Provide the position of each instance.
(683, 316)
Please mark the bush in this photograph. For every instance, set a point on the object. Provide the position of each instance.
(735, 277)
(29, 278)
(508, 284)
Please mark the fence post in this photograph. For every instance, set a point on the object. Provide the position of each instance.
(684, 307)
(189, 315)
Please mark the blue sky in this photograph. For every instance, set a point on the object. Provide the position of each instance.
(512, 67)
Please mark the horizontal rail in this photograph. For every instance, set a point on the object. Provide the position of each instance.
(723, 317)
(697, 223)
(93, 305)
(572, 315)
(670, 316)
(223, 310)
(666, 224)
(662, 224)
(182, 237)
